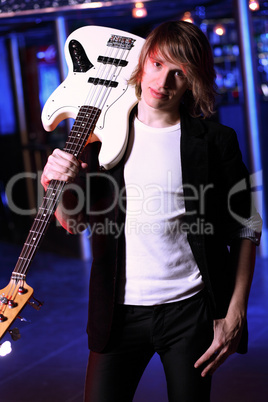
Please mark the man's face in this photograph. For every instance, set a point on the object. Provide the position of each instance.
(163, 84)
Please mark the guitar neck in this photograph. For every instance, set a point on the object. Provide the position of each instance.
(81, 130)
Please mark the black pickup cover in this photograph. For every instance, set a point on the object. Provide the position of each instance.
(99, 81)
(113, 61)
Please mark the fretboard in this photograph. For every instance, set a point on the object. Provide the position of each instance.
(83, 126)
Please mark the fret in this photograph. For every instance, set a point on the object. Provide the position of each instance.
(83, 126)
(31, 243)
(24, 258)
(34, 232)
(44, 215)
(52, 193)
(74, 141)
(40, 219)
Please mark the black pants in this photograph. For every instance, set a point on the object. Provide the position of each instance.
(179, 332)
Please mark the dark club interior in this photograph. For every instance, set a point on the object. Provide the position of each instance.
(48, 362)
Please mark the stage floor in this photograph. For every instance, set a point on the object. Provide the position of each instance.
(48, 363)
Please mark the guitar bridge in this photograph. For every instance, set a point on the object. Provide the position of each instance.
(121, 42)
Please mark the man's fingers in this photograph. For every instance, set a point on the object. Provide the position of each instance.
(212, 359)
(61, 166)
(211, 352)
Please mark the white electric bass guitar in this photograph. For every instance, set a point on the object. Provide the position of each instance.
(97, 95)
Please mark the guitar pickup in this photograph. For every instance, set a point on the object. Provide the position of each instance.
(99, 81)
(113, 61)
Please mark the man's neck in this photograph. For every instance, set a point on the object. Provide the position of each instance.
(157, 118)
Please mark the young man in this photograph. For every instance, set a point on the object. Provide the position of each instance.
(172, 271)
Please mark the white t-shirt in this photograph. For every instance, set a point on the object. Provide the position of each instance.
(160, 267)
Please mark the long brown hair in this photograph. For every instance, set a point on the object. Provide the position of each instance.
(183, 43)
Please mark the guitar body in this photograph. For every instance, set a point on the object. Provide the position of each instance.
(76, 90)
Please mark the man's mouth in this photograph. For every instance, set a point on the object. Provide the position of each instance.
(157, 94)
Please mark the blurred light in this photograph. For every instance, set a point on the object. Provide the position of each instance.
(5, 348)
(235, 50)
(203, 27)
(217, 51)
(253, 5)
(264, 88)
(187, 17)
(139, 11)
(200, 11)
(219, 30)
(96, 4)
(47, 54)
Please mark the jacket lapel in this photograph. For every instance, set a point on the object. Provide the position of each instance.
(194, 160)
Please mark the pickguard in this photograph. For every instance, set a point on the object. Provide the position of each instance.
(81, 63)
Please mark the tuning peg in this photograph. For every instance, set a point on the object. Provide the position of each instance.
(2, 318)
(15, 334)
(36, 304)
(23, 319)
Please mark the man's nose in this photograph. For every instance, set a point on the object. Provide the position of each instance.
(164, 79)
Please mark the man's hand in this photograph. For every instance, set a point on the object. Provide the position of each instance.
(61, 166)
(227, 334)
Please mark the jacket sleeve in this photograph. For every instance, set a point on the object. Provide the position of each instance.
(242, 219)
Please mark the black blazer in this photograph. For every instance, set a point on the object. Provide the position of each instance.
(215, 182)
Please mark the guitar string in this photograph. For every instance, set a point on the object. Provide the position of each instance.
(92, 112)
(17, 282)
(37, 226)
(57, 185)
(102, 73)
(99, 75)
(30, 239)
(107, 90)
(123, 56)
(101, 87)
(29, 243)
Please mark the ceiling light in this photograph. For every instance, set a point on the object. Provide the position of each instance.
(139, 11)
(187, 17)
(219, 30)
(253, 5)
